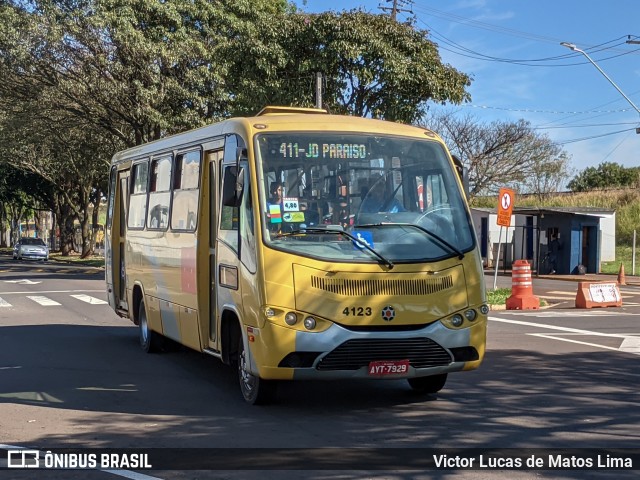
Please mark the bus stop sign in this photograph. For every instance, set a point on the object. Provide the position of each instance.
(506, 197)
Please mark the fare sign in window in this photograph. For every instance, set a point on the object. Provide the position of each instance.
(506, 198)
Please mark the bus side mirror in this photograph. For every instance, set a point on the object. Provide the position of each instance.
(463, 173)
(233, 182)
(232, 186)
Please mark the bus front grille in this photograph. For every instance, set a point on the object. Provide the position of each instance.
(351, 287)
(355, 354)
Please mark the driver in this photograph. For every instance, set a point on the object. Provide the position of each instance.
(379, 199)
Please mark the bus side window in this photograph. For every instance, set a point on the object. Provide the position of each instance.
(138, 198)
(159, 193)
(184, 209)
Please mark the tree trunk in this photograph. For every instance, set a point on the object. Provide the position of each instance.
(65, 221)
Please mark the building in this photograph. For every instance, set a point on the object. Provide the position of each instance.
(586, 237)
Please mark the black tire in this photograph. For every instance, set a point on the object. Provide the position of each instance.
(431, 384)
(255, 390)
(150, 341)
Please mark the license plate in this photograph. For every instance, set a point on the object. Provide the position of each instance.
(388, 367)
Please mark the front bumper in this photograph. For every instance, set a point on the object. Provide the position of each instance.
(340, 353)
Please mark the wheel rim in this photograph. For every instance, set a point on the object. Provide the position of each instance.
(144, 329)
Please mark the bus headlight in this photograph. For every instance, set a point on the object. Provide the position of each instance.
(269, 312)
(456, 320)
(470, 314)
(290, 318)
(484, 309)
(309, 323)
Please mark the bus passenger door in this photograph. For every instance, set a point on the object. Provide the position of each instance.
(213, 159)
(119, 264)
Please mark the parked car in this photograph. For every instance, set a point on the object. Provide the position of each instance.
(31, 248)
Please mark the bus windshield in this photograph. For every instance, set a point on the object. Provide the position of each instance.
(398, 195)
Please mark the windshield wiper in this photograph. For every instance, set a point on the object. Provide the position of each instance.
(358, 241)
(440, 240)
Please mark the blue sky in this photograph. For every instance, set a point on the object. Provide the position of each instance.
(512, 50)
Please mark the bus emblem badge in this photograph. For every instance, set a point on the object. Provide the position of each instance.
(388, 313)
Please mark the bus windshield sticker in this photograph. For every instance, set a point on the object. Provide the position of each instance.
(275, 214)
(364, 237)
(290, 204)
(296, 217)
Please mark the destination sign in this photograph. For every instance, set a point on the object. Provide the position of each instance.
(323, 150)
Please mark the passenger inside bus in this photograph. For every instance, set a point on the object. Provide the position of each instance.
(275, 193)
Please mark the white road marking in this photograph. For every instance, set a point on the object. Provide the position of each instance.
(86, 298)
(630, 342)
(570, 340)
(44, 301)
(24, 281)
(595, 312)
(52, 291)
(4, 303)
(631, 345)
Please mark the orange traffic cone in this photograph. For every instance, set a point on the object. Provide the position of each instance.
(621, 278)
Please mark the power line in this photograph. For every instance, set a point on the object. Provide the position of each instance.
(588, 125)
(530, 110)
(575, 140)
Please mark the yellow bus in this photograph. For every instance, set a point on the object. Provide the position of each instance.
(297, 245)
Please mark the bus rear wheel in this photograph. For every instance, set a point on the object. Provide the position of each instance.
(150, 341)
(255, 390)
(431, 384)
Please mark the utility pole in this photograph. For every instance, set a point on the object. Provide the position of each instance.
(396, 7)
(318, 90)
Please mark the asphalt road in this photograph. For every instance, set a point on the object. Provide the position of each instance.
(72, 375)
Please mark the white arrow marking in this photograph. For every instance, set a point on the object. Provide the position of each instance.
(22, 282)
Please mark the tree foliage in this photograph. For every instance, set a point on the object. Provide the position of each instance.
(501, 154)
(82, 79)
(605, 175)
(372, 65)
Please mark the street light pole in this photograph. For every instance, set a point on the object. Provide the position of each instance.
(571, 46)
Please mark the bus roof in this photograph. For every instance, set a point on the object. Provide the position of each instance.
(279, 119)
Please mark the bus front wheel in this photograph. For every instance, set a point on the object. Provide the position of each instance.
(431, 384)
(150, 341)
(255, 390)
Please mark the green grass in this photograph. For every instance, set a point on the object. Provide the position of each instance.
(92, 261)
(624, 256)
(498, 296)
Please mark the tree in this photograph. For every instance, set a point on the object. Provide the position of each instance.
(605, 175)
(138, 69)
(504, 154)
(83, 79)
(373, 65)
